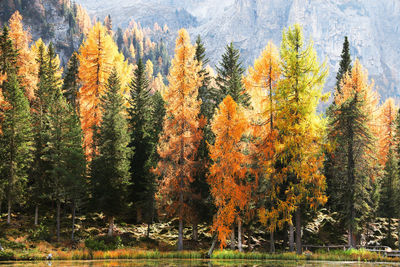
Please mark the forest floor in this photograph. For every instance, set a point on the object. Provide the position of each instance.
(22, 240)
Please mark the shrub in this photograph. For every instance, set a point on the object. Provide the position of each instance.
(104, 243)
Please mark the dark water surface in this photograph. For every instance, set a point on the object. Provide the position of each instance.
(197, 263)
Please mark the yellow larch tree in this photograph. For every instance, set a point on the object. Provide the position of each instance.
(181, 134)
(98, 55)
(26, 63)
(387, 132)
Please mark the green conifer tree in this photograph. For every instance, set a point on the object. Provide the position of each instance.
(229, 78)
(71, 83)
(142, 187)
(110, 167)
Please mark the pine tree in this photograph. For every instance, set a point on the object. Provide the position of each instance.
(181, 133)
(229, 77)
(344, 65)
(16, 140)
(71, 82)
(299, 182)
(207, 95)
(139, 123)
(350, 130)
(110, 168)
(227, 179)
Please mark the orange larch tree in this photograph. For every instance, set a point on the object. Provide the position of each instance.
(228, 173)
(26, 63)
(97, 56)
(261, 85)
(181, 134)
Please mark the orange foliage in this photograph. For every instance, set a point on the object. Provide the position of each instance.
(181, 135)
(83, 19)
(228, 172)
(26, 63)
(98, 55)
(386, 135)
(261, 85)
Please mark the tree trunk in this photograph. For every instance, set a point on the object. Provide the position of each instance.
(390, 232)
(233, 237)
(240, 235)
(299, 248)
(139, 217)
(291, 237)
(36, 214)
(180, 235)
(148, 230)
(271, 242)
(214, 242)
(58, 220)
(110, 226)
(73, 221)
(9, 211)
(195, 235)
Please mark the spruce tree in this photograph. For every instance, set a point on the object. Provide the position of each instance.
(142, 189)
(71, 84)
(230, 71)
(353, 165)
(15, 125)
(344, 65)
(16, 140)
(207, 95)
(110, 167)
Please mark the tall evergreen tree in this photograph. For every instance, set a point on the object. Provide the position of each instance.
(110, 167)
(344, 65)
(71, 82)
(350, 130)
(230, 71)
(142, 187)
(16, 140)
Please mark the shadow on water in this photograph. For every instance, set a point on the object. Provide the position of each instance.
(196, 263)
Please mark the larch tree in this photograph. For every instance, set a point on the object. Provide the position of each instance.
(181, 134)
(228, 173)
(388, 159)
(299, 182)
(110, 167)
(27, 66)
(229, 77)
(351, 131)
(97, 56)
(261, 85)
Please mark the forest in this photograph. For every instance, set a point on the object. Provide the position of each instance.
(128, 135)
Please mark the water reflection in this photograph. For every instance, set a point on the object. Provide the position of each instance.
(195, 263)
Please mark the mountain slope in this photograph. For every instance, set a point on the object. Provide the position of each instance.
(370, 25)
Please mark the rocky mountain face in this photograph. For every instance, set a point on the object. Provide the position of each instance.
(371, 25)
(52, 20)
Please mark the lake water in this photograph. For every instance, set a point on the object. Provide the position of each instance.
(197, 263)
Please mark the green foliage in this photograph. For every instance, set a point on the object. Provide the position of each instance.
(140, 124)
(229, 79)
(40, 232)
(71, 84)
(110, 167)
(104, 243)
(344, 65)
